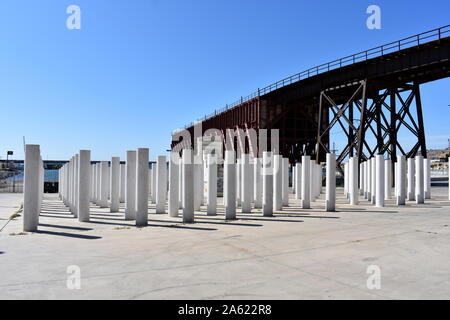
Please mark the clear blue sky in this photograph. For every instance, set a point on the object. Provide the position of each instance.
(139, 69)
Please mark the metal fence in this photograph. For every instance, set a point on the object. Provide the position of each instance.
(11, 181)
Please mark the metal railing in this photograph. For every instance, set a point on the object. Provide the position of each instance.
(412, 41)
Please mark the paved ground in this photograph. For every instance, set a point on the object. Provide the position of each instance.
(297, 254)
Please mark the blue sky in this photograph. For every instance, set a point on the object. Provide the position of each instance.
(139, 69)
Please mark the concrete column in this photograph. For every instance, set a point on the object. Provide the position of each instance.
(229, 185)
(180, 184)
(379, 202)
(267, 182)
(387, 179)
(330, 194)
(285, 182)
(97, 183)
(212, 185)
(306, 191)
(92, 182)
(174, 165)
(312, 180)
(150, 179)
(361, 179)
(400, 180)
(369, 179)
(31, 188)
(123, 181)
(198, 184)
(411, 171)
(277, 182)
(142, 158)
(257, 183)
(427, 178)
(130, 187)
(115, 184)
(76, 181)
(246, 182)
(420, 194)
(84, 183)
(294, 167)
(104, 184)
(41, 184)
(238, 181)
(251, 177)
(346, 179)
(154, 175)
(161, 185)
(188, 187)
(353, 180)
(298, 181)
(373, 179)
(319, 179)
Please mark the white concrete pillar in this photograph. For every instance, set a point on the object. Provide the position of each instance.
(379, 202)
(330, 193)
(277, 182)
(313, 180)
(298, 181)
(229, 185)
(41, 184)
(353, 180)
(154, 175)
(420, 195)
(319, 179)
(373, 179)
(122, 183)
(96, 183)
(150, 184)
(174, 165)
(212, 185)
(400, 179)
(285, 182)
(104, 184)
(115, 184)
(294, 167)
(387, 179)
(361, 179)
(369, 180)
(161, 185)
(306, 191)
(31, 188)
(346, 179)
(246, 182)
(84, 184)
(267, 182)
(427, 178)
(238, 181)
(411, 182)
(180, 184)
(76, 181)
(188, 187)
(92, 182)
(142, 158)
(198, 183)
(257, 183)
(130, 187)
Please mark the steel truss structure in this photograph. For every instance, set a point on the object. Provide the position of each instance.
(371, 116)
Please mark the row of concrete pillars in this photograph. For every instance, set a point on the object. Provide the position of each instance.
(410, 179)
(189, 182)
